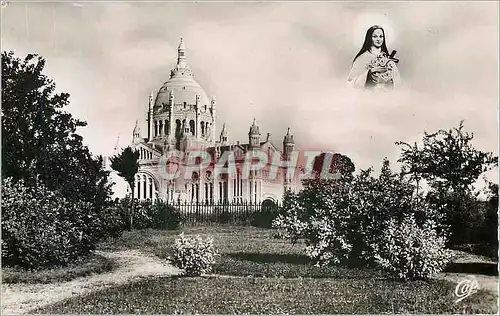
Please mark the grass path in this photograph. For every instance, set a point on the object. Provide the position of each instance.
(21, 298)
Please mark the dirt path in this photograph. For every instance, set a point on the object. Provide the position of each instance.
(21, 298)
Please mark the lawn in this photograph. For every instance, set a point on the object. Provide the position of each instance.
(265, 275)
(92, 264)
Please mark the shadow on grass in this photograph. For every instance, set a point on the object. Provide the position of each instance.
(290, 266)
(484, 249)
(473, 268)
(271, 258)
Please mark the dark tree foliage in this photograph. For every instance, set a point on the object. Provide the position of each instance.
(126, 164)
(446, 160)
(338, 163)
(450, 164)
(39, 139)
(490, 233)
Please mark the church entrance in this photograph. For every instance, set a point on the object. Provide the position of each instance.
(268, 212)
(269, 206)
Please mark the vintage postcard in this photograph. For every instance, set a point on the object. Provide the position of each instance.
(218, 157)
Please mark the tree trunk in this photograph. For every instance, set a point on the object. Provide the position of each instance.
(131, 212)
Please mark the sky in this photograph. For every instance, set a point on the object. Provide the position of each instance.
(284, 63)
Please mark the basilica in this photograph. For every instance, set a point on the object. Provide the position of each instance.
(182, 117)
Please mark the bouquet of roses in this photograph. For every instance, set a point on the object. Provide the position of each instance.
(384, 66)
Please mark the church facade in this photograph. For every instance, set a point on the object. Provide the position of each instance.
(182, 118)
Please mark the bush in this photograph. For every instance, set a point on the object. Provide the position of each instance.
(411, 252)
(221, 214)
(166, 216)
(321, 215)
(264, 217)
(157, 215)
(287, 222)
(41, 228)
(144, 214)
(343, 221)
(114, 220)
(194, 255)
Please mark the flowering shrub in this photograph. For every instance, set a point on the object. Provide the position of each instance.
(194, 255)
(328, 240)
(41, 228)
(287, 222)
(409, 251)
(347, 221)
(320, 215)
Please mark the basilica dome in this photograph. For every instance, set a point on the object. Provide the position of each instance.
(182, 83)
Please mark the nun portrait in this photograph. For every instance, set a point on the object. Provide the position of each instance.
(373, 68)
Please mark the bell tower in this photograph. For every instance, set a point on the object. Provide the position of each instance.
(136, 133)
(254, 136)
(288, 144)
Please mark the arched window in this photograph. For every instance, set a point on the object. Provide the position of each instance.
(151, 188)
(156, 128)
(137, 187)
(178, 126)
(165, 127)
(191, 127)
(202, 128)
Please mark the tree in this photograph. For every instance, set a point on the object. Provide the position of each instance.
(39, 139)
(490, 227)
(450, 164)
(446, 160)
(126, 164)
(338, 163)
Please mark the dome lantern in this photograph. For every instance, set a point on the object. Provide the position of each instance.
(182, 84)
